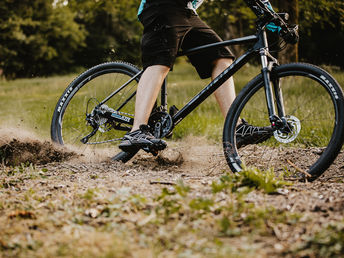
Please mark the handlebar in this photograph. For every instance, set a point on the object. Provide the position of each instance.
(266, 15)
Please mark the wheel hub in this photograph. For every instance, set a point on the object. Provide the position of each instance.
(294, 125)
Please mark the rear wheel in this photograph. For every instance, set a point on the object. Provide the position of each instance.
(78, 119)
(314, 110)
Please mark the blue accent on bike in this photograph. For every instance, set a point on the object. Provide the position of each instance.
(268, 5)
(142, 5)
(273, 27)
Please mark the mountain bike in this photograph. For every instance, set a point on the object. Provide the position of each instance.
(302, 103)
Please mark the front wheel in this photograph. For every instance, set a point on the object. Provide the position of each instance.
(79, 119)
(314, 110)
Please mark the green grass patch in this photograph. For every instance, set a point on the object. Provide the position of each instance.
(250, 178)
(326, 242)
(30, 103)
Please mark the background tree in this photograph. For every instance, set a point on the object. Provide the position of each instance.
(114, 31)
(44, 37)
(37, 38)
(291, 53)
(230, 19)
(322, 31)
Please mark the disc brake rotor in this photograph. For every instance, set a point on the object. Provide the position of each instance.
(295, 126)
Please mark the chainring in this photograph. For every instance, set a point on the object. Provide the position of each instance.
(161, 124)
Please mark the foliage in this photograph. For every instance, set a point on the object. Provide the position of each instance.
(229, 19)
(322, 31)
(253, 178)
(48, 37)
(114, 31)
(37, 38)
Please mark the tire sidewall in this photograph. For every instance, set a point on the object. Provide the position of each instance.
(254, 85)
(77, 84)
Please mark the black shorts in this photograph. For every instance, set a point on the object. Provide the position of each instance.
(166, 31)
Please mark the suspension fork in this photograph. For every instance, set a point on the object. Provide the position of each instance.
(267, 86)
(278, 97)
(273, 94)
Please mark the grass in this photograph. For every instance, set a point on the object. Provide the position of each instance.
(207, 118)
(43, 218)
(30, 102)
(326, 242)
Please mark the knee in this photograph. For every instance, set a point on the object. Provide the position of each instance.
(222, 62)
(158, 69)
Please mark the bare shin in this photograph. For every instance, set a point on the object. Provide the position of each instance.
(147, 93)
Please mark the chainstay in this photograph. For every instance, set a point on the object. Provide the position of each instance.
(107, 141)
(123, 113)
(112, 140)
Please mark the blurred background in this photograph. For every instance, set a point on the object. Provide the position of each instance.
(54, 37)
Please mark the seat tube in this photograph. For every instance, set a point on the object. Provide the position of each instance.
(164, 95)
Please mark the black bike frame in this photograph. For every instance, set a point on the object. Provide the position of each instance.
(260, 47)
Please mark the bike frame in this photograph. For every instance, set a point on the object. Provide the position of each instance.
(260, 47)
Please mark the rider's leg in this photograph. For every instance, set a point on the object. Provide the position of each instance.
(147, 93)
(224, 95)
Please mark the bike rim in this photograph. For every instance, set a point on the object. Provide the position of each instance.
(87, 94)
(304, 99)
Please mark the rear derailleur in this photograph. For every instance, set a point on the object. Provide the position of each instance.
(103, 119)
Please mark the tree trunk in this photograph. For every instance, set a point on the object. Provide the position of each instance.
(290, 54)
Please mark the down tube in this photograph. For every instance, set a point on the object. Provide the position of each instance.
(212, 86)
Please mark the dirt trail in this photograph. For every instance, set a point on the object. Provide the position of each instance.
(198, 165)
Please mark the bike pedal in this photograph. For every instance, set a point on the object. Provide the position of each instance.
(154, 149)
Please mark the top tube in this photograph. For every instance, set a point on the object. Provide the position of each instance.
(238, 41)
